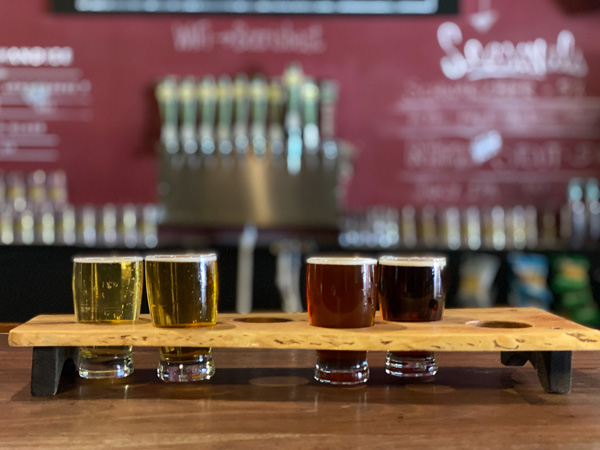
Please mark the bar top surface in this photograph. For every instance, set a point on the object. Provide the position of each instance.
(267, 399)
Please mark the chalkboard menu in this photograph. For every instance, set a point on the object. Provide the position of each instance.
(363, 7)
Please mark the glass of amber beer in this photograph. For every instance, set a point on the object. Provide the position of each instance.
(411, 289)
(183, 291)
(107, 290)
(341, 293)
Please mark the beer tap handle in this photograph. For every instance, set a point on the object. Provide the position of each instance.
(329, 90)
(188, 107)
(329, 95)
(310, 110)
(294, 150)
(166, 95)
(293, 78)
(276, 134)
(259, 98)
(207, 96)
(242, 104)
(225, 93)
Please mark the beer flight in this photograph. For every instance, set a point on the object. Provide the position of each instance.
(183, 291)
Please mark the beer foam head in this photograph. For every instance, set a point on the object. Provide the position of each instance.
(413, 261)
(341, 260)
(184, 258)
(106, 259)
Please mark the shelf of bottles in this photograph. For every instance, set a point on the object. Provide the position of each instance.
(497, 228)
(35, 210)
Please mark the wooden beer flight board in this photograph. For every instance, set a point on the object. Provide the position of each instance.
(520, 334)
(490, 329)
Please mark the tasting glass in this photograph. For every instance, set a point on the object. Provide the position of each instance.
(183, 292)
(341, 294)
(411, 289)
(107, 290)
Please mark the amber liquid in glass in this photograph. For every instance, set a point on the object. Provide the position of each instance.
(183, 292)
(341, 296)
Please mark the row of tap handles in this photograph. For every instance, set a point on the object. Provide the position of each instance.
(278, 118)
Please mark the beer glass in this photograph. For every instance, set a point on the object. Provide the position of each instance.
(107, 290)
(411, 289)
(341, 293)
(182, 292)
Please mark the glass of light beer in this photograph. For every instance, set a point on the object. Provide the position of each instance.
(341, 293)
(183, 291)
(107, 290)
(411, 289)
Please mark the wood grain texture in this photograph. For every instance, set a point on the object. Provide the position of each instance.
(267, 399)
(458, 331)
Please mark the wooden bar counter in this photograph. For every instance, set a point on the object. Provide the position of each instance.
(266, 398)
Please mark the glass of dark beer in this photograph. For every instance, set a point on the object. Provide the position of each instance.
(411, 289)
(183, 292)
(341, 293)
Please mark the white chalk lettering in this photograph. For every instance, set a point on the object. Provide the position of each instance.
(36, 56)
(199, 36)
(192, 37)
(532, 59)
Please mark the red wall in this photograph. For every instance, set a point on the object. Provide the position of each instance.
(413, 125)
